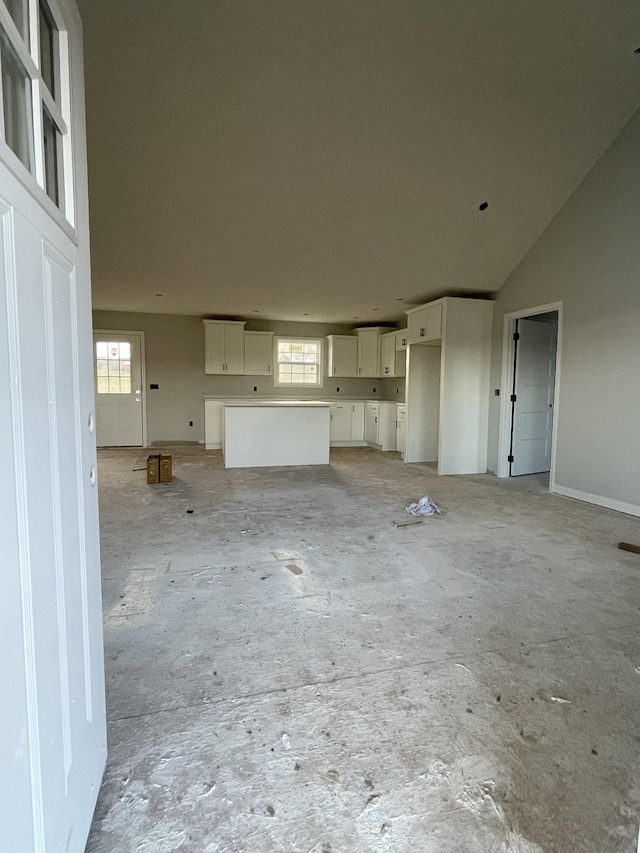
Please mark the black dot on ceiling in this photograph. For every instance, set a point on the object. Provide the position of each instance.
(484, 205)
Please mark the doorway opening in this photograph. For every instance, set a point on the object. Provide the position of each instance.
(530, 385)
(118, 359)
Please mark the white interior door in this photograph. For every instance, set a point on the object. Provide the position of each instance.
(118, 366)
(52, 708)
(534, 384)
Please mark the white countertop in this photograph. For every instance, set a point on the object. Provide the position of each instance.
(281, 404)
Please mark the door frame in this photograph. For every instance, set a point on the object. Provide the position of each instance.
(143, 371)
(508, 371)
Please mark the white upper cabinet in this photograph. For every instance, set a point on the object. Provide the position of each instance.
(369, 351)
(388, 355)
(393, 356)
(343, 355)
(258, 353)
(425, 323)
(224, 346)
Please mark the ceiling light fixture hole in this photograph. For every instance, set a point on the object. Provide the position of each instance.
(484, 205)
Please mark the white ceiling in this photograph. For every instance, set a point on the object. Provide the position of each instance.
(319, 161)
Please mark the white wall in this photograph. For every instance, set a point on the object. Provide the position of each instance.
(175, 361)
(589, 258)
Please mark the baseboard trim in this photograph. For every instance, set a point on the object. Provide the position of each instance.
(348, 444)
(598, 500)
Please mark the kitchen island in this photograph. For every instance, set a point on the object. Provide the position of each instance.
(275, 433)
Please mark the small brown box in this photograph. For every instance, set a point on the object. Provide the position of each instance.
(153, 469)
(165, 468)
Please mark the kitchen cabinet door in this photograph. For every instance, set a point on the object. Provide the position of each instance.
(258, 353)
(369, 352)
(401, 429)
(371, 425)
(357, 422)
(234, 348)
(425, 323)
(388, 355)
(340, 426)
(343, 355)
(223, 347)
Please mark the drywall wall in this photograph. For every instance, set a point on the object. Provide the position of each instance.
(174, 350)
(589, 258)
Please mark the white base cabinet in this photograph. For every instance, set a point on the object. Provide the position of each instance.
(401, 428)
(380, 425)
(347, 423)
(213, 412)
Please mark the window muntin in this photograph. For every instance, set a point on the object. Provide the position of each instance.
(298, 361)
(113, 367)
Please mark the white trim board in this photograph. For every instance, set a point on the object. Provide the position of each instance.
(506, 382)
(598, 500)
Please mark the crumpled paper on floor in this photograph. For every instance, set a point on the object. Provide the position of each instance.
(425, 506)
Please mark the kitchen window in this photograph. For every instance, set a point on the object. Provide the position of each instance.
(298, 362)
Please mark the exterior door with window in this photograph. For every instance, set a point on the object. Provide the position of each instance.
(117, 358)
(52, 706)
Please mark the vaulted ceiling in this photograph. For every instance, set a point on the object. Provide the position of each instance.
(322, 160)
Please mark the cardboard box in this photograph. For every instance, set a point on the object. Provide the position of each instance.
(153, 468)
(165, 468)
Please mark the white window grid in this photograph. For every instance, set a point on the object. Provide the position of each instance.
(57, 105)
(298, 362)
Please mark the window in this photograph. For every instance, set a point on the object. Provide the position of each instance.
(113, 367)
(16, 99)
(298, 361)
(34, 114)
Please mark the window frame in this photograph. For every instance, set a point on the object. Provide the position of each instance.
(319, 383)
(58, 109)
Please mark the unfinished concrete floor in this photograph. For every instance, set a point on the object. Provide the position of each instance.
(287, 671)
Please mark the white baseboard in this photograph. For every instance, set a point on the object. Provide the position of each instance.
(598, 500)
(348, 444)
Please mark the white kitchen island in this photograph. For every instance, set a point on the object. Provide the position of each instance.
(275, 433)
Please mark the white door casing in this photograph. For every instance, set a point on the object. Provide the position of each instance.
(534, 385)
(52, 712)
(507, 377)
(119, 397)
